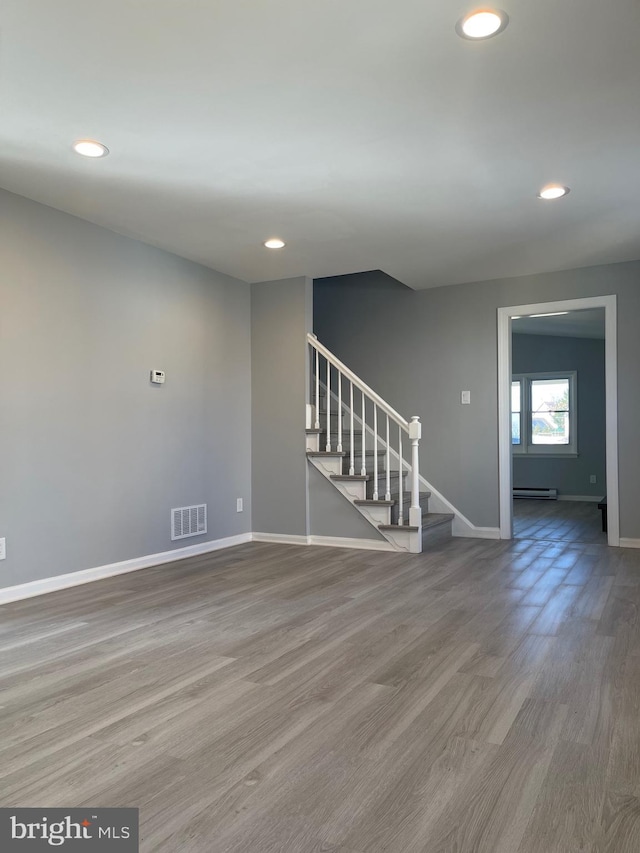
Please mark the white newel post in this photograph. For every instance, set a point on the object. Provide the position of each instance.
(415, 434)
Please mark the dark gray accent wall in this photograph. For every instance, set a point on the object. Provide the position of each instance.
(281, 316)
(92, 455)
(419, 349)
(545, 354)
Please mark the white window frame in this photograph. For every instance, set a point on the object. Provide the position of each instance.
(526, 447)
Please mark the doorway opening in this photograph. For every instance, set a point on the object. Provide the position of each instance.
(558, 421)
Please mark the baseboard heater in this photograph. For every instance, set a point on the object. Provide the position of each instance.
(537, 494)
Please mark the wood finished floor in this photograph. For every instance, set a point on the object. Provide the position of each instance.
(566, 521)
(482, 698)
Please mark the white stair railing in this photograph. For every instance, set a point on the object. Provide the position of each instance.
(329, 372)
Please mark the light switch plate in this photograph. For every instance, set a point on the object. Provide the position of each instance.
(465, 398)
(3, 549)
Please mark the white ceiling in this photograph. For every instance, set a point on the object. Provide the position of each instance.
(588, 323)
(366, 134)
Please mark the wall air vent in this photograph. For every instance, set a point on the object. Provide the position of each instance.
(188, 521)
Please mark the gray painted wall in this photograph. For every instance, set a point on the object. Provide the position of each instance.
(92, 456)
(419, 349)
(331, 514)
(281, 316)
(546, 353)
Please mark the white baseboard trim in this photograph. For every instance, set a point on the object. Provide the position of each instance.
(629, 543)
(280, 538)
(349, 542)
(40, 587)
(473, 532)
(330, 541)
(590, 498)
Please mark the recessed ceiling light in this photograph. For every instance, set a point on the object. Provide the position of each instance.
(90, 148)
(553, 191)
(274, 243)
(482, 24)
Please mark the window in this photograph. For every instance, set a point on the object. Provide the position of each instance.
(544, 414)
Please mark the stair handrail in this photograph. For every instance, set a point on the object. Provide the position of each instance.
(412, 428)
(359, 383)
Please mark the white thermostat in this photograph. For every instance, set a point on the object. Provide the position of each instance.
(157, 376)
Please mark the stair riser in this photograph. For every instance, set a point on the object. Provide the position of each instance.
(376, 515)
(368, 464)
(346, 434)
(382, 485)
(313, 442)
(346, 438)
(434, 535)
(395, 514)
(328, 464)
(334, 421)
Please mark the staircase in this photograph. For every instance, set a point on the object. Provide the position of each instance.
(358, 442)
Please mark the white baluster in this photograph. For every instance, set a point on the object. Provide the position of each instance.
(415, 433)
(363, 469)
(317, 391)
(352, 467)
(328, 447)
(339, 447)
(400, 479)
(387, 493)
(375, 452)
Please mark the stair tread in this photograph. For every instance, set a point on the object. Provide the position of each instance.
(350, 477)
(394, 500)
(358, 453)
(313, 431)
(406, 497)
(339, 453)
(430, 519)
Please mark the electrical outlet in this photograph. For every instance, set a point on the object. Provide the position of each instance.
(239, 506)
(3, 549)
(593, 478)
